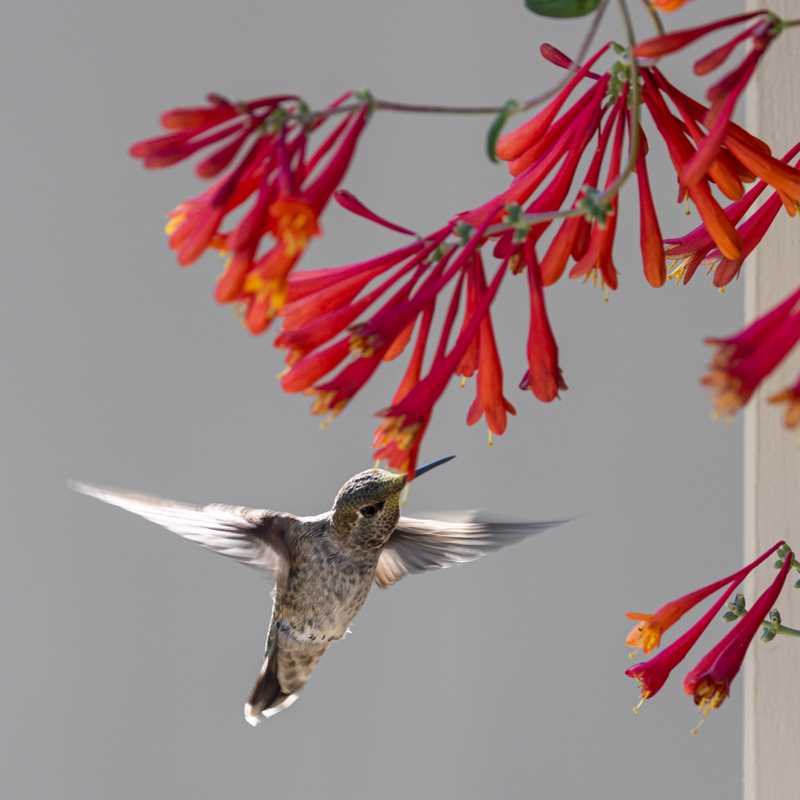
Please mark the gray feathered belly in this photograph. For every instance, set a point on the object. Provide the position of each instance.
(318, 604)
(315, 609)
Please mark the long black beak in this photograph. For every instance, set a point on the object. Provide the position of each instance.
(428, 467)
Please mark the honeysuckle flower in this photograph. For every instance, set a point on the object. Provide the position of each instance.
(544, 377)
(710, 681)
(790, 397)
(489, 400)
(723, 95)
(681, 152)
(653, 673)
(550, 141)
(676, 40)
(398, 437)
(743, 360)
(686, 253)
(289, 187)
(650, 238)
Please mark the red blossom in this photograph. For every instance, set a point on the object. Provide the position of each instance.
(289, 190)
(710, 681)
(653, 673)
(742, 361)
(724, 94)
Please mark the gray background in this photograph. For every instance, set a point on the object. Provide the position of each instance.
(127, 653)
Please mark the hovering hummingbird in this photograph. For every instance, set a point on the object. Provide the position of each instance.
(323, 566)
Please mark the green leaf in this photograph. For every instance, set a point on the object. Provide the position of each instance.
(496, 128)
(562, 8)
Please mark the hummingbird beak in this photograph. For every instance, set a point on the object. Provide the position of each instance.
(428, 467)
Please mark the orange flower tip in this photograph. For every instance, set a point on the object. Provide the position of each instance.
(646, 635)
(174, 221)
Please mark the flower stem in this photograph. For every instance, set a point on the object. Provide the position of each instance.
(787, 631)
(441, 108)
(659, 25)
(633, 83)
(633, 155)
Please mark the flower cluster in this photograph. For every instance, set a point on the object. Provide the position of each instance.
(710, 680)
(260, 153)
(743, 360)
(558, 214)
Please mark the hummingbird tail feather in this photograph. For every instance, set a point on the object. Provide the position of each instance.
(267, 698)
(287, 667)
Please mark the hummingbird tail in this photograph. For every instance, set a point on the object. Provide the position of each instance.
(267, 698)
(288, 665)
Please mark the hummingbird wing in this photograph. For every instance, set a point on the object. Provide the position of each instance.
(420, 545)
(252, 536)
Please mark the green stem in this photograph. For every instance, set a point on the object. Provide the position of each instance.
(786, 630)
(635, 99)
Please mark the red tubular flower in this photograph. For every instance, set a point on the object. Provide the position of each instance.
(744, 360)
(791, 398)
(489, 401)
(681, 151)
(598, 263)
(290, 191)
(399, 436)
(725, 94)
(544, 376)
(677, 40)
(710, 681)
(688, 252)
(514, 143)
(653, 673)
(651, 627)
(650, 239)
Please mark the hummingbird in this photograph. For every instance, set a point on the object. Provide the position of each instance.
(323, 566)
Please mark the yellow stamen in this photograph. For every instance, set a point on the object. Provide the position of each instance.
(174, 222)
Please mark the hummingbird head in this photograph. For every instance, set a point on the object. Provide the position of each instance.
(367, 507)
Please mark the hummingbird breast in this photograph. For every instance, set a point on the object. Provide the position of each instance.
(325, 588)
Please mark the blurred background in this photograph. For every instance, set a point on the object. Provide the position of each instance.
(128, 653)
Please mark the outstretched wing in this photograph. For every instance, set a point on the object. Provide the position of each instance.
(252, 536)
(420, 545)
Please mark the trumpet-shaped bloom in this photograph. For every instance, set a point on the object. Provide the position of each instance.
(652, 674)
(742, 361)
(287, 189)
(710, 681)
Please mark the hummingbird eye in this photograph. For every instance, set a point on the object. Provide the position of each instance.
(370, 511)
